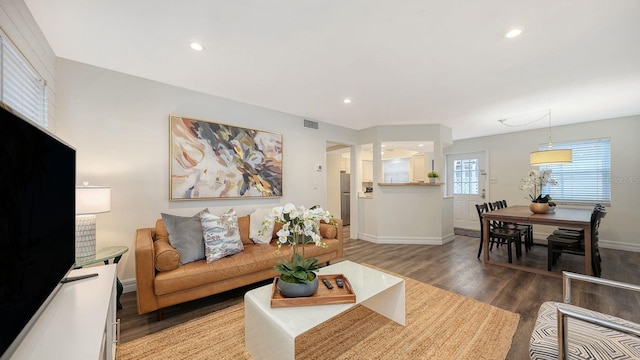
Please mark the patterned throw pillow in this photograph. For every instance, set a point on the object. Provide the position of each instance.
(221, 235)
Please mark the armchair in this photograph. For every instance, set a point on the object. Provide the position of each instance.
(564, 331)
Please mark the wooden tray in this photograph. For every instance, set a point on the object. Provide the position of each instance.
(323, 296)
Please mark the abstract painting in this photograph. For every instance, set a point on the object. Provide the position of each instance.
(218, 161)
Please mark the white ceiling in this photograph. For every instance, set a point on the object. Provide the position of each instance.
(402, 62)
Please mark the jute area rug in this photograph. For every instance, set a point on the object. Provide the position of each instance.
(440, 325)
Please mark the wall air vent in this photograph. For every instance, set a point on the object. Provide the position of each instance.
(311, 124)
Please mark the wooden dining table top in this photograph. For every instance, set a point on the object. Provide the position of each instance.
(562, 216)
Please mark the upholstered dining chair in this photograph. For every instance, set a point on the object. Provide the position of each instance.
(498, 235)
(564, 331)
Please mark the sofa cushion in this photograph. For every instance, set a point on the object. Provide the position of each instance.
(328, 231)
(243, 228)
(254, 258)
(166, 257)
(256, 226)
(221, 236)
(161, 231)
(185, 235)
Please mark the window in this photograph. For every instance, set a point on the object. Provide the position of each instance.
(587, 179)
(396, 170)
(465, 176)
(21, 87)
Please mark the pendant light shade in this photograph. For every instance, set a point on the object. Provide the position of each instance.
(545, 157)
(551, 155)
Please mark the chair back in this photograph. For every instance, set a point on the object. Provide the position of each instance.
(597, 215)
(500, 204)
(481, 208)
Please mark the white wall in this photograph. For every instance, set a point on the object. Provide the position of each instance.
(17, 23)
(509, 162)
(333, 204)
(119, 125)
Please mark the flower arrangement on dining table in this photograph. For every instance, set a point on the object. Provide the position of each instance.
(534, 184)
(300, 226)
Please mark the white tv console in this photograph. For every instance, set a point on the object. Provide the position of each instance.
(79, 322)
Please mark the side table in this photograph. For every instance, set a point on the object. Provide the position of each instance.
(104, 255)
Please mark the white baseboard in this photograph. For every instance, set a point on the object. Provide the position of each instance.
(617, 245)
(406, 240)
(128, 285)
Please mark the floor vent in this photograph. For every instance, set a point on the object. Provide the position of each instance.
(311, 124)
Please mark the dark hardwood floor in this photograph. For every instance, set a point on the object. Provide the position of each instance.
(452, 267)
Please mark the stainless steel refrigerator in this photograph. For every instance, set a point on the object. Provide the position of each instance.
(345, 198)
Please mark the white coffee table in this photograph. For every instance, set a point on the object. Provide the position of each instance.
(270, 333)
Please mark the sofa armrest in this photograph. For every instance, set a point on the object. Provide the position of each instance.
(145, 271)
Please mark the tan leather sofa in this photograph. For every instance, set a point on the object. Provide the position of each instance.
(159, 289)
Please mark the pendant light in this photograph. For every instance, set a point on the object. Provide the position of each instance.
(550, 155)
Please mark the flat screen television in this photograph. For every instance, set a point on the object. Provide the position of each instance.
(37, 222)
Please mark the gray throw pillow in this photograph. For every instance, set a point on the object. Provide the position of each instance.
(185, 235)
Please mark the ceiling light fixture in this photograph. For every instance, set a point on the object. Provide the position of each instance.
(550, 156)
(513, 33)
(197, 46)
(347, 101)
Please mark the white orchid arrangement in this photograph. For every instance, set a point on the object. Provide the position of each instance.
(534, 183)
(299, 227)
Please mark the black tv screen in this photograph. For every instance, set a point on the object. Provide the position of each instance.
(37, 222)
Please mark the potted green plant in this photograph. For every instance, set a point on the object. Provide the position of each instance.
(300, 226)
(433, 176)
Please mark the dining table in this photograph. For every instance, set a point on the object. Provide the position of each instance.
(521, 214)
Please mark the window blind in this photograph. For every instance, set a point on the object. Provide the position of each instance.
(587, 180)
(21, 87)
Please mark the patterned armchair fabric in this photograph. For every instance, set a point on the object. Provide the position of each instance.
(582, 333)
(586, 341)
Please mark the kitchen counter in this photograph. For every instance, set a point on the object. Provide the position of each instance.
(412, 184)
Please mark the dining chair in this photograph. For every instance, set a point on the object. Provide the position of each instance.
(573, 243)
(526, 230)
(498, 235)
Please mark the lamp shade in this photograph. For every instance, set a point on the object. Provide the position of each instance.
(556, 156)
(93, 199)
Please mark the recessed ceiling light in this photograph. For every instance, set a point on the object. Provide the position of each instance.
(197, 46)
(513, 33)
(421, 145)
(347, 101)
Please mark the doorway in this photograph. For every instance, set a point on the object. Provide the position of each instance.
(338, 171)
(466, 183)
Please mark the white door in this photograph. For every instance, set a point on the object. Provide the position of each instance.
(466, 177)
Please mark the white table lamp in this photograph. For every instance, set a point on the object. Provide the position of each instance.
(90, 200)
